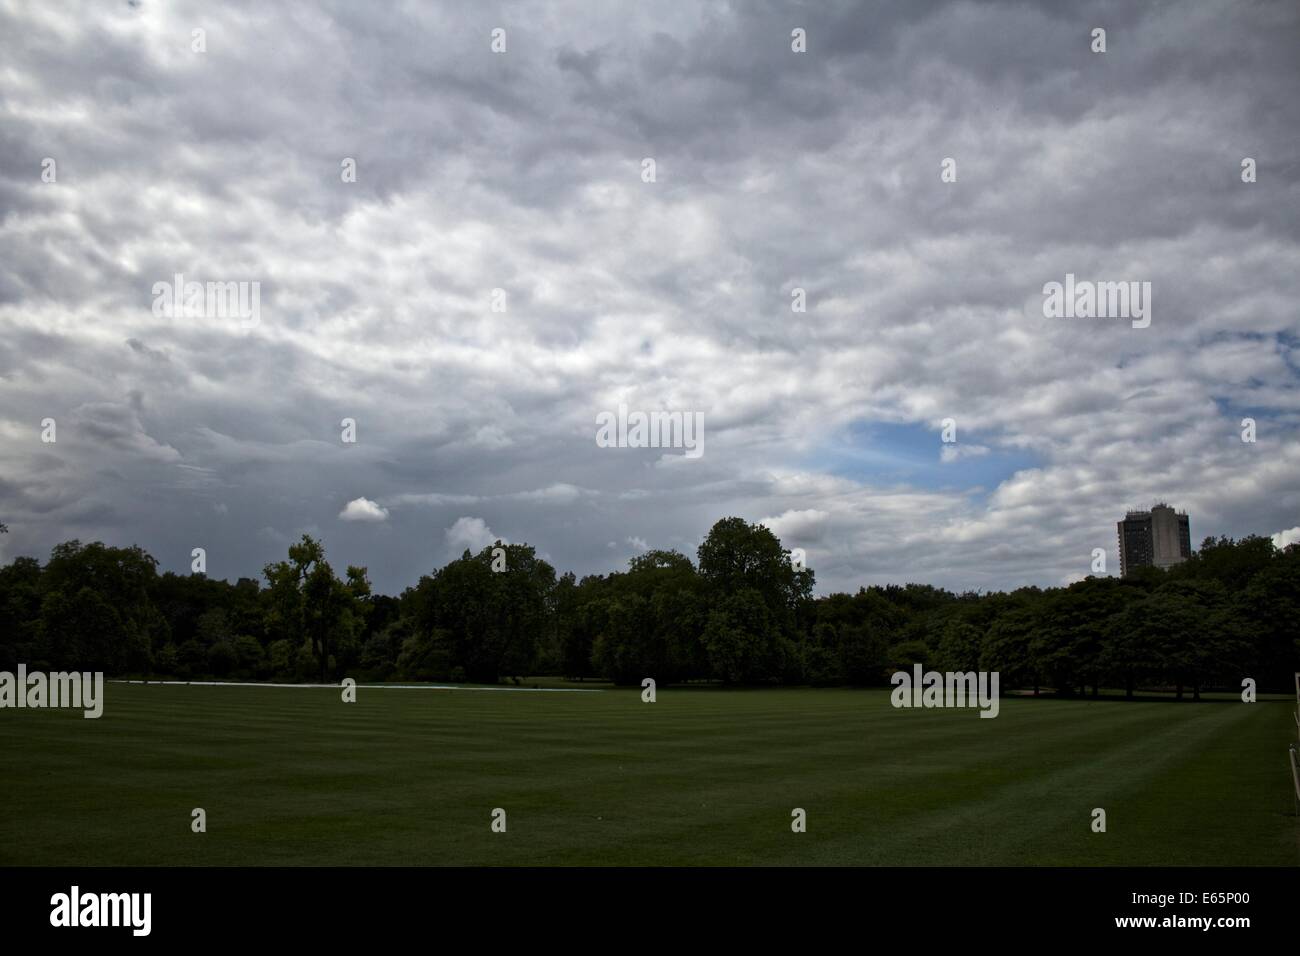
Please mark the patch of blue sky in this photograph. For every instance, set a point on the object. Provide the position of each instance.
(892, 454)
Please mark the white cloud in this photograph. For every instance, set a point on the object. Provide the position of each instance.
(472, 534)
(554, 494)
(363, 509)
(798, 528)
(1288, 537)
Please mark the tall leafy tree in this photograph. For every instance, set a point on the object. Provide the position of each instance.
(494, 619)
(736, 556)
(309, 606)
(95, 607)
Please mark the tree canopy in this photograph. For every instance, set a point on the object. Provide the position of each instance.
(742, 612)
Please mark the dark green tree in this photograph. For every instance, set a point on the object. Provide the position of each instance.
(741, 640)
(310, 608)
(738, 556)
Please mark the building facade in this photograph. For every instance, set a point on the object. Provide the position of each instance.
(1158, 538)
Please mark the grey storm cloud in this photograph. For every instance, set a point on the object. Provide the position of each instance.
(521, 171)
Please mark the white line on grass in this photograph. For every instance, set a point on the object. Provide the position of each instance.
(231, 683)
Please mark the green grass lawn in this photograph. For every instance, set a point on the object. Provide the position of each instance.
(294, 776)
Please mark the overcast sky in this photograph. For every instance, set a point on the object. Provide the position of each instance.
(523, 171)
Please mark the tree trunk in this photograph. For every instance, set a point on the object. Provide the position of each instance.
(1180, 690)
(1096, 691)
(1035, 690)
(1196, 691)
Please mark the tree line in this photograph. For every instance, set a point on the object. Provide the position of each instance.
(742, 612)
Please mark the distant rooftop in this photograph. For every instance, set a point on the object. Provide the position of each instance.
(1145, 512)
